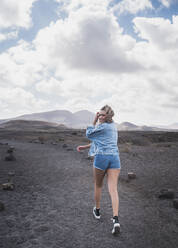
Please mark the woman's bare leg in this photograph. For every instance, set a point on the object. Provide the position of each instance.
(112, 178)
(98, 182)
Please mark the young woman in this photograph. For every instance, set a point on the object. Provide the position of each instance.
(106, 160)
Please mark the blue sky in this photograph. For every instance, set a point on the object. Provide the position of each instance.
(76, 54)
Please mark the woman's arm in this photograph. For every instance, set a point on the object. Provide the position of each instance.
(93, 132)
(80, 148)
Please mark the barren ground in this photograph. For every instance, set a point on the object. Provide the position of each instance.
(51, 205)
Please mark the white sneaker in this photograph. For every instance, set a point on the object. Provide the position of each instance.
(96, 213)
(116, 226)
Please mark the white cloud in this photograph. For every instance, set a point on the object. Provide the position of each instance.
(158, 31)
(15, 13)
(132, 6)
(159, 51)
(74, 5)
(166, 3)
(86, 61)
(52, 86)
(20, 66)
(2, 37)
(88, 41)
(8, 36)
(17, 100)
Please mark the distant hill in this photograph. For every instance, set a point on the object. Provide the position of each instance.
(78, 119)
(128, 126)
(56, 116)
(172, 126)
(31, 125)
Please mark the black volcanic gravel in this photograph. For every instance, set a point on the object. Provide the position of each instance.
(51, 205)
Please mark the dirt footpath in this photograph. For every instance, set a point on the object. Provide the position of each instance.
(51, 205)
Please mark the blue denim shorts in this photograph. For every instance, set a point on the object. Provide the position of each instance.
(107, 161)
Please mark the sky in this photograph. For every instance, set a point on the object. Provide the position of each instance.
(83, 54)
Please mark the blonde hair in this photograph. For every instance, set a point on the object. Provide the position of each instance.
(109, 113)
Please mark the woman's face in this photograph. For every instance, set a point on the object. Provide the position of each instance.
(102, 116)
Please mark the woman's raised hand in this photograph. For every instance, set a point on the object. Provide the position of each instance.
(96, 118)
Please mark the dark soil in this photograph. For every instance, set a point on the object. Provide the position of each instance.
(51, 205)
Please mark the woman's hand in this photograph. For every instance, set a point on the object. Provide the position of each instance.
(96, 118)
(80, 148)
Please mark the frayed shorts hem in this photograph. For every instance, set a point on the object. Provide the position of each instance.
(104, 162)
(105, 169)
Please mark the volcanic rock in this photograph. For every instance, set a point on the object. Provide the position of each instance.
(175, 203)
(131, 175)
(8, 186)
(11, 174)
(11, 149)
(10, 157)
(2, 207)
(166, 194)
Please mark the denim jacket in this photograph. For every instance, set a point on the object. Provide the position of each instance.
(104, 139)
